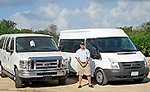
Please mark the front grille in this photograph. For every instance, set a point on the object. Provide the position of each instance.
(46, 64)
(132, 65)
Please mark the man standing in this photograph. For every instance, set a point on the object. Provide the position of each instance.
(83, 58)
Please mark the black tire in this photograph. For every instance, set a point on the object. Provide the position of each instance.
(100, 77)
(138, 80)
(18, 80)
(62, 81)
(3, 75)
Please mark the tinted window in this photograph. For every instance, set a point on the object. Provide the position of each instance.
(7, 43)
(1, 42)
(35, 44)
(70, 45)
(12, 44)
(111, 44)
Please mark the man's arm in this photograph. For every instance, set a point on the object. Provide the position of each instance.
(78, 59)
(88, 57)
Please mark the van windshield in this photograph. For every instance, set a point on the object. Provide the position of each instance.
(35, 44)
(111, 44)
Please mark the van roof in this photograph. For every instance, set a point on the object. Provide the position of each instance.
(92, 33)
(23, 35)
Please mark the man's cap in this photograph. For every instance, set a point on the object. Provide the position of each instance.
(82, 43)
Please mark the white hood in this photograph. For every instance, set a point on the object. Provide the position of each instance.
(125, 56)
(26, 55)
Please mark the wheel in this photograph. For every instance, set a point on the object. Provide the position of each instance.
(62, 81)
(3, 75)
(138, 80)
(18, 81)
(100, 77)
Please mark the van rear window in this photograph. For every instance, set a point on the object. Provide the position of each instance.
(70, 45)
(1, 42)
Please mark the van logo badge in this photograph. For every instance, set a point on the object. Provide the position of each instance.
(133, 65)
(46, 64)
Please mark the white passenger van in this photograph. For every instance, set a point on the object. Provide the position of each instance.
(113, 55)
(32, 57)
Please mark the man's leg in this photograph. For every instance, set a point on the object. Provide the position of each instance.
(90, 82)
(80, 79)
(89, 79)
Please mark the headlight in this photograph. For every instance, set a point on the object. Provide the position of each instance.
(23, 64)
(114, 64)
(65, 63)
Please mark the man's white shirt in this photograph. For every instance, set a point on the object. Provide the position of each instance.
(82, 54)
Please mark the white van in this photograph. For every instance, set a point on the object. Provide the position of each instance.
(32, 57)
(113, 55)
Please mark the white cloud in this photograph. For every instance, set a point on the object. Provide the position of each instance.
(52, 10)
(61, 19)
(123, 13)
(22, 21)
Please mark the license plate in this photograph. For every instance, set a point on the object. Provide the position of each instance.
(47, 77)
(135, 73)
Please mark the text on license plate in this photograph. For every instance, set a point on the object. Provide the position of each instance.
(134, 73)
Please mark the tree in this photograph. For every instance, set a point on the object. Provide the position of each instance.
(52, 30)
(127, 29)
(146, 26)
(9, 27)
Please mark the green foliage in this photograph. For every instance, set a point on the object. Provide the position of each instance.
(140, 37)
(9, 27)
(142, 42)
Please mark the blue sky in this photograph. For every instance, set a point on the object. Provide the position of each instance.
(71, 14)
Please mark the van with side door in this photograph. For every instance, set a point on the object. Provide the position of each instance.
(32, 57)
(113, 55)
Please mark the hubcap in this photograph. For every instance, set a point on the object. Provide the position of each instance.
(99, 77)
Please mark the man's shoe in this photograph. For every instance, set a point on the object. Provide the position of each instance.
(79, 86)
(91, 86)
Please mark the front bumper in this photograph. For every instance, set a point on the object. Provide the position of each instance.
(125, 74)
(39, 74)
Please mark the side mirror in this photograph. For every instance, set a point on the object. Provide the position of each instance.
(96, 55)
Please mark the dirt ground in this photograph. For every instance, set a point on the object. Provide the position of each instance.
(8, 85)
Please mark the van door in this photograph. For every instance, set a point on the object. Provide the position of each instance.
(6, 55)
(11, 56)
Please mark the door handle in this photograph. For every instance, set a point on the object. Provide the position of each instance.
(4, 57)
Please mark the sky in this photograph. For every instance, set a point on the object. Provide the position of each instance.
(72, 14)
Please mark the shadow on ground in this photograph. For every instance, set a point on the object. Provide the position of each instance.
(129, 82)
(52, 83)
(126, 82)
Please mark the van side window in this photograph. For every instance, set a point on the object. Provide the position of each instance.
(7, 43)
(1, 42)
(70, 45)
(12, 44)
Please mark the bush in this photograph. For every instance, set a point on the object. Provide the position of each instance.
(142, 42)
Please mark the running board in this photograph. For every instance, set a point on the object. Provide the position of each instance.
(8, 74)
